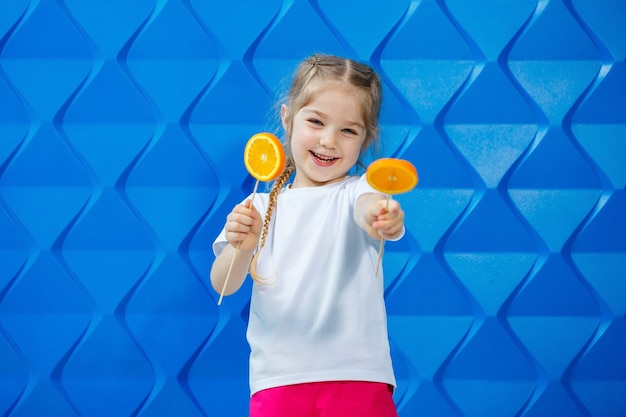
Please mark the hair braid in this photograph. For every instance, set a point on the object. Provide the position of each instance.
(276, 188)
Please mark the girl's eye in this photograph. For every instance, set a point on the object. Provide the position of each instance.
(315, 121)
(351, 131)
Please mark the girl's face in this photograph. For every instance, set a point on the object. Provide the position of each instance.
(326, 136)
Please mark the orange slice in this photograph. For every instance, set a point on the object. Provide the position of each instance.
(392, 175)
(264, 156)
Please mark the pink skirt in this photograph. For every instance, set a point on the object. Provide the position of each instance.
(325, 399)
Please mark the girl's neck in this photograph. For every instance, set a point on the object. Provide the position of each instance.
(297, 184)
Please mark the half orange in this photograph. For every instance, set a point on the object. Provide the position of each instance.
(264, 156)
(392, 175)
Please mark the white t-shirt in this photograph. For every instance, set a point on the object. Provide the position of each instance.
(324, 317)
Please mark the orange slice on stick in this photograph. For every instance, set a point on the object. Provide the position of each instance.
(264, 156)
(392, 175)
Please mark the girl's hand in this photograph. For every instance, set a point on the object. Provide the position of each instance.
(379, 218)
(243, 227)
(387, 218)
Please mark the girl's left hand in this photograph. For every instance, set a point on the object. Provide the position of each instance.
(387, 218)
(378, 217)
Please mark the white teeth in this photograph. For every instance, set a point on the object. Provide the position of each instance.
(324, 158)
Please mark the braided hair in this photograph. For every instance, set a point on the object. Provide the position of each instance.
(276, 189)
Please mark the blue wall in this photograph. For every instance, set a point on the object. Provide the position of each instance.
(122, 126)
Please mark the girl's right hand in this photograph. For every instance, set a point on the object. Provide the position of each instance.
(243, 227)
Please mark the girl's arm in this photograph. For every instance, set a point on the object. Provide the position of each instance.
(242, 230)
(238, 273)
(378, 217)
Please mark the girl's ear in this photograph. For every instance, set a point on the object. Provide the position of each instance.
(284, 117)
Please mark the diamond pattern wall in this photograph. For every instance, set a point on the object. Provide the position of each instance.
(122, 125)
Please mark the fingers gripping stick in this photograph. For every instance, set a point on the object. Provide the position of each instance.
(264, 158)
(390, 176)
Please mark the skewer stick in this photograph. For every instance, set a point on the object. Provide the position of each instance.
(382, 241)
(232, 261)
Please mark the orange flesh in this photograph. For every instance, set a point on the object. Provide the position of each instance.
(392, 175)
(264, 156)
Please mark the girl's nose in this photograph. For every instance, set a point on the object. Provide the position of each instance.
(327, 139)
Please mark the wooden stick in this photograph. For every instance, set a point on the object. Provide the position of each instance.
(232, 261)
(382, 242)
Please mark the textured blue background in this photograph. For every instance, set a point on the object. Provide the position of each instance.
(122, 125)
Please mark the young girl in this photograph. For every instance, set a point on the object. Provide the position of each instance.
(317, 332)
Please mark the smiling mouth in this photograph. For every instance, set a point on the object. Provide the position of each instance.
(323, 160)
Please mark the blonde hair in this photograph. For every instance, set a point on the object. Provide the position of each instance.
(312, 76)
